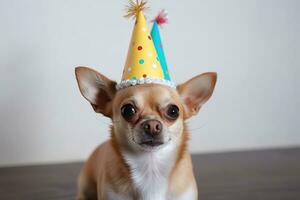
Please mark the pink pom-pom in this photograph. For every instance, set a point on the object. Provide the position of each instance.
(162, 17)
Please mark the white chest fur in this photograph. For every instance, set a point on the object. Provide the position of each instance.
(150, 172)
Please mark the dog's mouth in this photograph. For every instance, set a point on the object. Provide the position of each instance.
(151, 143)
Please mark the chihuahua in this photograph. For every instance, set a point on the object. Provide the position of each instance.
(146, 157)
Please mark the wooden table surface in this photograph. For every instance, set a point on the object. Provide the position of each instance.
(252, 175)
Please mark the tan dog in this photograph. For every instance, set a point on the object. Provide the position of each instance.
(146, 157)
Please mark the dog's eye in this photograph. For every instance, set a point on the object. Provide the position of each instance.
(173, 112)
(128, 111)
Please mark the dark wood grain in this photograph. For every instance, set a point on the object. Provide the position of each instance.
(253, 175)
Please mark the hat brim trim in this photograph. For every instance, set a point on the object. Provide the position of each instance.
(148, 80)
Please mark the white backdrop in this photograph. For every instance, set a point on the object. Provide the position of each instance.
(254, 46)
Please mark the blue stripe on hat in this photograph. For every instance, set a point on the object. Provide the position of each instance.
(159, 49)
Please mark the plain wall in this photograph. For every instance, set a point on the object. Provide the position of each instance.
(254, 46)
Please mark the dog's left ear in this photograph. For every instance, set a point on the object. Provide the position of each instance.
(196, 91)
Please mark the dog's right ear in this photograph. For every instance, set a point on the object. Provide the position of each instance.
(97, 89)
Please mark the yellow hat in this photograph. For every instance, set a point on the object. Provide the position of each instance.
(142, 64)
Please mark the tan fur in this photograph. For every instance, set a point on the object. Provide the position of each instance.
(106, 167)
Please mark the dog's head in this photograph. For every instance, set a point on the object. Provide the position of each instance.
(145, 117)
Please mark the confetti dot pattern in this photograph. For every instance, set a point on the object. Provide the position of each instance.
(138, 63)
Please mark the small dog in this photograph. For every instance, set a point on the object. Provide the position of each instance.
(146, 157)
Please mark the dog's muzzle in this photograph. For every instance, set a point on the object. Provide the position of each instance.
(151, 133)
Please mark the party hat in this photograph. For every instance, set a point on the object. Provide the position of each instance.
(142, 64)
(159, 20)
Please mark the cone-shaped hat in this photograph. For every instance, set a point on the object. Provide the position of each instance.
(142, 64)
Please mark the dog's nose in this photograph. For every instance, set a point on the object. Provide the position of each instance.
(152, 127)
